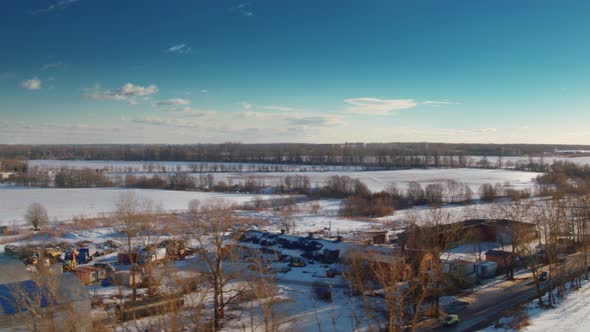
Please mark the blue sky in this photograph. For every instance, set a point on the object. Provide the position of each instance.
(187, 71)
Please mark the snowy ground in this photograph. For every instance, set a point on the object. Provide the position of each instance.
(375, 180)
(570, 315)
(304, 220)
(63, 204)
(380, 180)
(546, 160)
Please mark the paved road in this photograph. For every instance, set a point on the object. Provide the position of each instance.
(490, 304)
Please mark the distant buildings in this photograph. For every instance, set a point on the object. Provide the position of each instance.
(34, 300)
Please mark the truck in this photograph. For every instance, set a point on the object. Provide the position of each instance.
(86, 254)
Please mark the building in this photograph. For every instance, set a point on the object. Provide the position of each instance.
(473, 231)
(32, 300)
(461, 271)
(502, 258)
(370, 237)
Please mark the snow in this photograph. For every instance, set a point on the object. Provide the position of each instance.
(569, 315)
(64, 204)
(381, 180)
(375, 180)
(547, 160)
(304, 221)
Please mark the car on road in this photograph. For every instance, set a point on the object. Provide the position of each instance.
(451, 320)
(543, 276)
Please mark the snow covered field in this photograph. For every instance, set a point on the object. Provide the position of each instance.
(380, 180)
(546, 160)
(63, 204)
(304, 221)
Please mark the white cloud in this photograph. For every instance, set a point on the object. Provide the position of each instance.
(128, 92)
(204, 91)
(172, 102)
(375, 106)
(32, 84)
(278, 108)
(179, 49)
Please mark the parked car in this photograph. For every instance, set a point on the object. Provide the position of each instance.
(451, 320)
(543, 276)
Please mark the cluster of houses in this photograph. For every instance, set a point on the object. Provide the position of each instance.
(372, 247)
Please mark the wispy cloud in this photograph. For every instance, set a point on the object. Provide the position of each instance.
(315, 121)
(172, 102)
(56, 5)
(278, 108)
(128, 92)
(52, 65)
(204, 91)
(179, 49)
(170, 122)
(189, 111)
(32, 84)
(439, 102)
(297, 119)
(375, 106)
(243, 9)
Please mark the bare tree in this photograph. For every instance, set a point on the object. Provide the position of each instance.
(216, 250)
(37, 215)
(134, 217)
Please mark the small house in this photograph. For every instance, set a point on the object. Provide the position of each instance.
(88, 274)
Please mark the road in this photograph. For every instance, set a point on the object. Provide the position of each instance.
(489, 304)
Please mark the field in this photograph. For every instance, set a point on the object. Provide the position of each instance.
(380, 180)
(318, 175)
(63, 204)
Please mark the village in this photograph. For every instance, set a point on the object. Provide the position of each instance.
(144, 272)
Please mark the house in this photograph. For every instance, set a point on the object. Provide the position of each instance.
(87, 274)
(370, 237)
(41, 301)
(502, 258)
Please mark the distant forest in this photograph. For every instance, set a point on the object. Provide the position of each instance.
(373, 154)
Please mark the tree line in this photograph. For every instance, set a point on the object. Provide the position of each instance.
(382, 154)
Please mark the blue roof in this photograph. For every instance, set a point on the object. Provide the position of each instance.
(19, 296)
